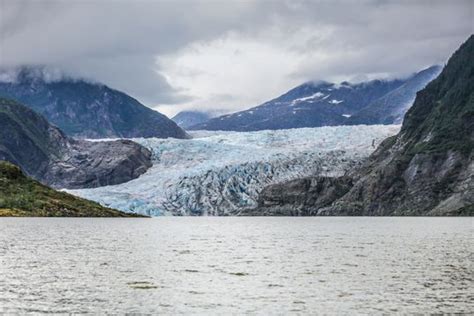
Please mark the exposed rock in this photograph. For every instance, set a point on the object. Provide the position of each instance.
(46, 154)
(84, 109)
(221, 173)
(391, 108)
(301, 197)
(93, 164)
(428, 185)
(312, 104)
(23, 196)
(315, 104)
(427, 169)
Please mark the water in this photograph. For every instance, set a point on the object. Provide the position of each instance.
(237, 265)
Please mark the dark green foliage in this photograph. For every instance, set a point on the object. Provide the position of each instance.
(425, 170)
(442, 117)
(22, 196)
(429, 159)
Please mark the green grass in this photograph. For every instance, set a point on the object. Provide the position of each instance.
(22, 196)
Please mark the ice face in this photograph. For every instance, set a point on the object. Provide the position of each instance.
(218, 173)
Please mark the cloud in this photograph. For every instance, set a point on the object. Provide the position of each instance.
(110, 41)
(231, 71)
(230, 54)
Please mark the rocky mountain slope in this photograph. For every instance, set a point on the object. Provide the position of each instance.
(22, 196)
(391, 108)
(86, 110)
(312, 104)
(222, 173)
(186, 119)
(46, 154)
(316, 104)
(427, 169)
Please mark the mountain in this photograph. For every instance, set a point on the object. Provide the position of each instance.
(22, 196)
(86, 110)
(427, 169)
(315, 104)
(312, 104)
(186, 119)
(46, 154)
(391, 108)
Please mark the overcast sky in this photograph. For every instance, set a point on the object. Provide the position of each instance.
(229, 55)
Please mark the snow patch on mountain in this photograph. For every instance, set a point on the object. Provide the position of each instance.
(219, 173)
(308, 98)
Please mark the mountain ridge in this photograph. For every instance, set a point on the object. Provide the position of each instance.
(321, 103)
(427, 169)
(86, 109)
(45, 153)
(390, 108)
(187, 119)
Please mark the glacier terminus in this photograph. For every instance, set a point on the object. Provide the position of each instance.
(219, 173)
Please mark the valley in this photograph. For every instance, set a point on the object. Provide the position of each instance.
(236, 157)
(222, 173)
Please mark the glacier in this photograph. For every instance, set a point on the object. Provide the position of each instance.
(218, 173)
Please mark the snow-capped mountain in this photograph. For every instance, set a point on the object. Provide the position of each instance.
(425, 170)
(220, 173)
(186, 119)
(82, 108)
(311, 104)
(315, 104)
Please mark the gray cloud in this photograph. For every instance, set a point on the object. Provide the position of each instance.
(119, 43)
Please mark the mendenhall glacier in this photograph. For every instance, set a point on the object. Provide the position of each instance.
(220, 173)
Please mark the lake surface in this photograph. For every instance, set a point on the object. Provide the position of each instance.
(231, 265)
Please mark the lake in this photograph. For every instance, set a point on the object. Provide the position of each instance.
(230, 265)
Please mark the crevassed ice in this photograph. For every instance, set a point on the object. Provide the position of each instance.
(219, 173)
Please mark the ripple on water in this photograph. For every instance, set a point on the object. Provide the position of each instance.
(142, 285)
(259, 265)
